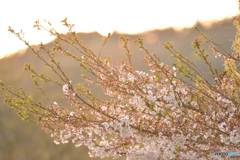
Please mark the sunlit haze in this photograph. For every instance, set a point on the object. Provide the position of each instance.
(105, 16)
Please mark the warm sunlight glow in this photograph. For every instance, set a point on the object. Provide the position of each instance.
(106, 16)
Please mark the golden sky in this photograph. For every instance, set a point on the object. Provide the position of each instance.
(105, 16)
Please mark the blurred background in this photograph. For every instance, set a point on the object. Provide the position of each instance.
(155, 22)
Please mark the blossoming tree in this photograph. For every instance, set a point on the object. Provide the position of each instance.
(168, 113)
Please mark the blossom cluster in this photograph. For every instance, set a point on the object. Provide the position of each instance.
(147, 117)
